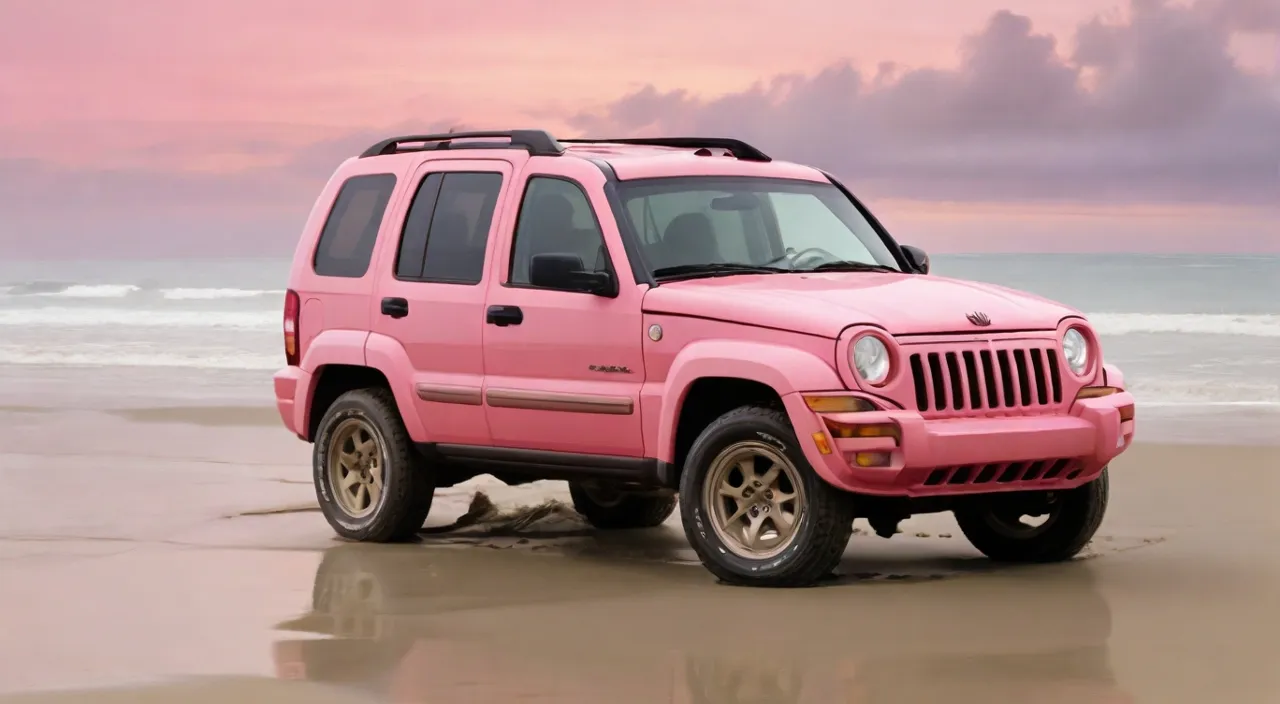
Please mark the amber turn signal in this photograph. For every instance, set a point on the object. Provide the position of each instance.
(1096, 391)
(820, 439)
(1126, 413)
(864, 430)
(838, 404)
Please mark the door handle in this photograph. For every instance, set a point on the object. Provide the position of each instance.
(395, 307)
(502, 316)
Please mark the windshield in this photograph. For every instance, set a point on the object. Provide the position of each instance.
(722, 224)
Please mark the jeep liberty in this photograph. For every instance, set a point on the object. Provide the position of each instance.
(678, 322)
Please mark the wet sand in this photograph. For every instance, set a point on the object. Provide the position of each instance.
(174, 555)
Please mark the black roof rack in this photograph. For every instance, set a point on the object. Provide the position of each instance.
(736, 147)
(537, 142)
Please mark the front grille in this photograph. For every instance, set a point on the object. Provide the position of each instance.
(981, 379)
(1004, 473)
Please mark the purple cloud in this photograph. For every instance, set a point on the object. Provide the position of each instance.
(1152, 110)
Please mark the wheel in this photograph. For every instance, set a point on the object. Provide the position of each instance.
(997, 529)
(754, 511)
(609, 508)
(372, 484)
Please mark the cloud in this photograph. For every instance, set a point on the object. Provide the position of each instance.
(1150, 109)
(51, 210)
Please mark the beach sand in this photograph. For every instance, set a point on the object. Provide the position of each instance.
(175, 554)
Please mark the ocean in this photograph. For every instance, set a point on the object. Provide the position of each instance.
(1198, 336)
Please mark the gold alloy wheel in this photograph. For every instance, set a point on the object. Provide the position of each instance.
(756, 499)
(356, 460)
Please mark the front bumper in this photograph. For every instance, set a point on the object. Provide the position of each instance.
(975, 455)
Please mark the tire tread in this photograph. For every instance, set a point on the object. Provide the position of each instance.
(410, 493)
(831, 511)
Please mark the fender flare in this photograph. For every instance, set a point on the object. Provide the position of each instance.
(388, 356)
(784, 369)
(362, 349)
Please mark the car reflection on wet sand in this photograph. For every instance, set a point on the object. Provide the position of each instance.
(410, 625)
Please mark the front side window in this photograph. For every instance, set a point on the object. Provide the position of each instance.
(556, 218)
(772, 224)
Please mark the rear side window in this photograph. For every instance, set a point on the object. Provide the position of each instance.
(447, 228)
(347, 240)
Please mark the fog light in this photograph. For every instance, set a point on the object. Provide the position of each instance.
(820, 439)
(871, 459)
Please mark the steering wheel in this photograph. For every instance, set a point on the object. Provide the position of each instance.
(793, 259)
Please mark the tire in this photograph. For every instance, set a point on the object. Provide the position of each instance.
(817, 537)
(609, 509)
(404, 500)
(1077, 515)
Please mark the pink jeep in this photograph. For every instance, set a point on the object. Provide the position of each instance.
(647, 318)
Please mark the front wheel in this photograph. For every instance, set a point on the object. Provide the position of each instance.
(1069, 519)
(754, 511)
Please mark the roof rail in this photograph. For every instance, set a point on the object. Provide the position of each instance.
(736, 147)
(537, 142)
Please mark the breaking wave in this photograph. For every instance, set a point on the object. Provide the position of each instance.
(57, 289)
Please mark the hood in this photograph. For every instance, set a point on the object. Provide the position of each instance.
(828, 302)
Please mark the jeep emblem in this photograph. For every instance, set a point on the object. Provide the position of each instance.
(979, 318)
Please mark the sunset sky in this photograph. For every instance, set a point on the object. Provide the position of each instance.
(157, 128)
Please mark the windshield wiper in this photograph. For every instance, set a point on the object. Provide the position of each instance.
(851, 266)
(713, 269)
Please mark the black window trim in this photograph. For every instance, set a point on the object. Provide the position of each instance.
(890, 243)
(377, 235)
(515, 231)
(395, 263)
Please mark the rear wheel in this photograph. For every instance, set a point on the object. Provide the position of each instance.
(611, 507)
(754, 511)
(372, 483)
(1062, 523)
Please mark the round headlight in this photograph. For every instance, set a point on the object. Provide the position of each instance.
(1075, 349)
(871, 359)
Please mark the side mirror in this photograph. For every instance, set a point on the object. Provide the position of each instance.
(917, 258)
(565, 272)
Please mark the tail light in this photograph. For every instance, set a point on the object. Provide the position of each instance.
(292, 310)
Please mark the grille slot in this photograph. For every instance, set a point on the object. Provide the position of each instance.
(960, 380)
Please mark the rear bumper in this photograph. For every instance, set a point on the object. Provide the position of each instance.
(968, 455)
(293, 389)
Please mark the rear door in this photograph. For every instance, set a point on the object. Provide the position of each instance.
(431, 293)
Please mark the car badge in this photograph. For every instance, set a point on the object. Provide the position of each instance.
(978, 318)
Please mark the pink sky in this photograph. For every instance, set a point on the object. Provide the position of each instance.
(171, 127)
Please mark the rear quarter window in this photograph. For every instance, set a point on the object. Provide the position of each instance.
(351, 231)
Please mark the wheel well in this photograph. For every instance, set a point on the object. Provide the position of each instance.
(334, 381)
(709, 398)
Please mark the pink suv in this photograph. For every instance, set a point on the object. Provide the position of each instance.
(659, 318)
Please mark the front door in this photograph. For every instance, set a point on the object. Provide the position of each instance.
(433, 305)
(563, 369)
